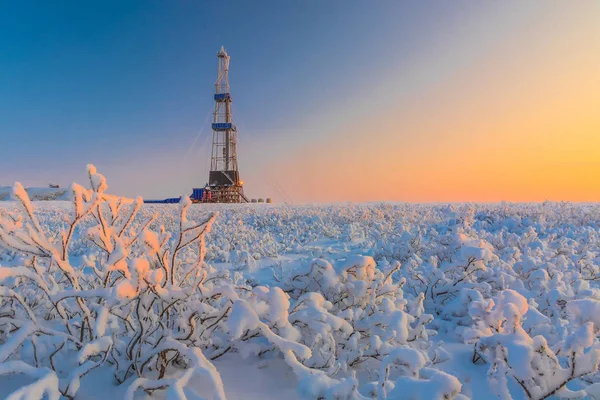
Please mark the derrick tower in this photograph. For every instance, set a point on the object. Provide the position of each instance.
(224, 177)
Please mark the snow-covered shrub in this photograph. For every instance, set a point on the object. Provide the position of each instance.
(352, 316)
(416, 381)
(137, 302)
(539, 369)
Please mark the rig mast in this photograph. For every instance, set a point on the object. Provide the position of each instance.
(224, 178)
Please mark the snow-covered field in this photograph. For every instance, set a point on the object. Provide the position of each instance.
(383, 301)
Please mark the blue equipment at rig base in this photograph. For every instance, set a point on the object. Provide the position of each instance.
(197, 194)
(170, 200)
(196, 197)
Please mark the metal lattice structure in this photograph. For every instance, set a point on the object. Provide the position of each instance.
(224, 178)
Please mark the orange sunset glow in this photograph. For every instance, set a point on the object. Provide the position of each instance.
(519, 121)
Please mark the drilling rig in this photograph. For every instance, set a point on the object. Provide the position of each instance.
(224, 183)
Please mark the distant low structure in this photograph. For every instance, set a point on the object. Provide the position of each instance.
(37, 193)
(51, 194)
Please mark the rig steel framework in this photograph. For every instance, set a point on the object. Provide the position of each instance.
(224, 183)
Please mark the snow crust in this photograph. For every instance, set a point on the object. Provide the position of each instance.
(378, 301)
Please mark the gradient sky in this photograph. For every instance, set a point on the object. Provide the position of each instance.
(334, 100)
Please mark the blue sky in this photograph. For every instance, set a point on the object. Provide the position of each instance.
(127, 85)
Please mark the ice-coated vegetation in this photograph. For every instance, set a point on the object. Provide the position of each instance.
(377, 301)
